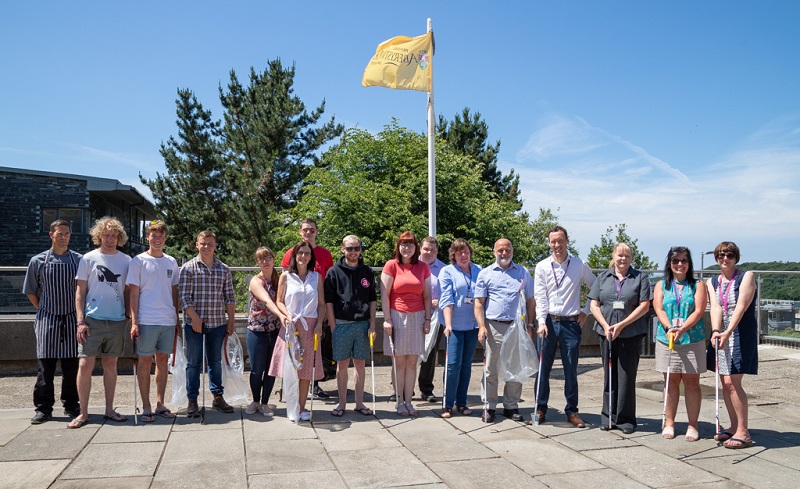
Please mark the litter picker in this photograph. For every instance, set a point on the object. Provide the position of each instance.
(203, 386)
(716, 390)
(671, 338)
(372, 366)
(535, 416)
(444, 382)
(485, 392)
(313, 375)
(394, 370)
(135, 377)
(610, 379)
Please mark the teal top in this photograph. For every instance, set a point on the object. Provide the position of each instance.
(695, 333)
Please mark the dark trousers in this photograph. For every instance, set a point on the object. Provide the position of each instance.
(260, 346)
(44, 390)
(426, 370)
(625, 362)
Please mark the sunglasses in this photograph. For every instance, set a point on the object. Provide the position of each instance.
(728, 255)
(156, 223)
(350, 249)
(676, 261)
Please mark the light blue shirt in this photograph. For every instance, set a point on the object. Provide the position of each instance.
(456, 286)
(501, 290)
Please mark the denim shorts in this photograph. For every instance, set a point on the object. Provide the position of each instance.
(154, 338)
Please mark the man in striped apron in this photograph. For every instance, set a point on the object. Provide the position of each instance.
(50, 286)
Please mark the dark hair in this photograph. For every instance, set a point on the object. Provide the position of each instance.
(59, 222)
(308, 220)
(430, 240)
(406, 237)
(556, 229)
(458, 245)
(293, 259)
(673, 252)
(727, 247)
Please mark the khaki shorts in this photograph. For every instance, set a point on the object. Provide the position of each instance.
(686, 359)
(105, 338)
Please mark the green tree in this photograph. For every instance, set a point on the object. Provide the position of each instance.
(469, 134)
(375, 186)
(600, 254)
(261, 151)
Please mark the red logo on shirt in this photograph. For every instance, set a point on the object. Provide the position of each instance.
(365, 283)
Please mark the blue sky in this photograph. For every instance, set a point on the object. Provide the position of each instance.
(680, 119)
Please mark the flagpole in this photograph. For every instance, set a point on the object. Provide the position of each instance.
(431, 153)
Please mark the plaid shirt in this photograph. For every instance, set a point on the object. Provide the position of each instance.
(207, 290)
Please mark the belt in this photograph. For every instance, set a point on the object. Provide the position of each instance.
(562, 319)
(501, 321)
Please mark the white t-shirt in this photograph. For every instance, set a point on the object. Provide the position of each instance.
(105, 276)
(155, 278)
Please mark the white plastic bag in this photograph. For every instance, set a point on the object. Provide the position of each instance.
(292, 362)
(430, 338)
(234, 387)
(518, 358)
(178, 374)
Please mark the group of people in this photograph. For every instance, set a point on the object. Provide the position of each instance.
(82, 303)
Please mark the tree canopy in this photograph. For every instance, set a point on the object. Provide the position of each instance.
(600, 254)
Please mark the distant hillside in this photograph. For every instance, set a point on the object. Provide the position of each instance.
(784, 287)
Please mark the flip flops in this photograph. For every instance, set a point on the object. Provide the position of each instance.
(364, 411)
(446, 413)
(164, 412)
(737, 443)
(338, 412)
(115, 417)
(724, 435)
(147, 417)
(77, 423)
(464, 410)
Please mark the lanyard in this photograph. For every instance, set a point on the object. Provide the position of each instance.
(555, 276)
(723, 294)
(467, 278)
(678, 297)
(619, 283)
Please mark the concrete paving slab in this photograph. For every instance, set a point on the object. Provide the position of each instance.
(748, 470)
(9, 428)
(678, 448)
(116, 483)
(213, 458)
(305, 480)
(593, 478)
(382, 467)
(422, 424)
(362, 435)
(465, 474)
(590, 439)
(275, 428)
(214, 420)
(288, 457)
(120, 433)
(537, 457)
(651, 467)
(483, 432)
(117, 459)
(47, 444)
(31, 474)
(441, 445)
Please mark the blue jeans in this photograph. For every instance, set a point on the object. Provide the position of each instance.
(194, 353)
(568, 334)
(260, 345)
(460, 350)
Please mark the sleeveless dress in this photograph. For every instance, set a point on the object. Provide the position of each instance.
(740, 353)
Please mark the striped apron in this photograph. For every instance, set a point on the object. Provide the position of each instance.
(56, 325)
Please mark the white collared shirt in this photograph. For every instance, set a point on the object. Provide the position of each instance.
(557, 287)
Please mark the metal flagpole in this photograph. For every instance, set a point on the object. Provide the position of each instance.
(431, 151)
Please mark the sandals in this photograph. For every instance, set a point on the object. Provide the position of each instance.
(737, 443)
(164, 412)
(402, 410)
(446, 413)
(77, 423)
(147, 417)
(115, 417)
(669, 432)
(411, 411)
(364, 411)
(338, 412)
(723, 436)
(463, 410)
(691, 434)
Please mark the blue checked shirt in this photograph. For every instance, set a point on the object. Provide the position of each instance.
(207, 290)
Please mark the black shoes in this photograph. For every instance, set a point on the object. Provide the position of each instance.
(428, 397)
(513, 414)
(393, 398)
(319, 393)
(627, 429)
(40, 417)
(488, 416)
(73, 412)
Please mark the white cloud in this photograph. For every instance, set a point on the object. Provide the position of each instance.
(593, 179)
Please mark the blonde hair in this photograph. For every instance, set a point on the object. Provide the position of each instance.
(108, 223)
(620, 246)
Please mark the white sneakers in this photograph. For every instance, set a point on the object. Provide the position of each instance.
(305, 416)
(266, 410)
(252, 408)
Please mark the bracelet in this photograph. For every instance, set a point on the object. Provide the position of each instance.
(716, 331)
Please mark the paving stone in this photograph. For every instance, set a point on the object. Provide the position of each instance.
(213, 458)
(466, 474)
(753, 471)
(537, 457)
(592, 478)
(47, 444)
(650, 467)
(31, 474)
(291, 456)
(586, 439)
(214, 420)
(382, 467)
(276, 428)
(9, 428)
(442, 444)
(298, 480)
(362, 435)
(116, 483)
(124, 433)
(118, 459)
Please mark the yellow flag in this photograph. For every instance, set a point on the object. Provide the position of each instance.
(402, 63)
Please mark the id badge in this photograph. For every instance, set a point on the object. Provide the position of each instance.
(677, 322)
(619, 305)
(468, 300)
(557, 301)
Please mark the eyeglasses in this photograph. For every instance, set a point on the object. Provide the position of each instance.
(406, 245)
(265, 259)
(156, 223)
(303, 253)
(728, 255)
(676, 261)
(351, 249)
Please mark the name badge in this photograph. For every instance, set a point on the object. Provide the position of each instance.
(677, 322)
(619, 305)
(557, 301)
(468, 300)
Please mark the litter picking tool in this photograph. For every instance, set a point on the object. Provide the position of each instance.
(716, 390)
(610, 381)
(174, 346)
(444, 382)
(394, 370)
(313, 375)
(485, 392)
(535, 415)
(135, 378)
(671, 338)
(372, 366)
(203, 408)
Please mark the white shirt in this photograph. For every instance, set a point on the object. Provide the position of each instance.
(105, 276)
(301, 297)
(155, 278)
(557, 287)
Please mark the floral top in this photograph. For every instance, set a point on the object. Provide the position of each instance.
(259, 318)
